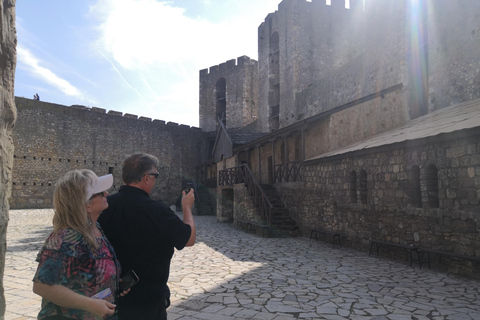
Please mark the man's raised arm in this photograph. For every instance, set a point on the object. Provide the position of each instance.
(187, 203)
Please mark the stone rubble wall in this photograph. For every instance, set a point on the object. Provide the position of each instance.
(51, 139)
(323, 199)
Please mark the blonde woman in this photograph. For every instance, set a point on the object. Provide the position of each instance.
(78, 272)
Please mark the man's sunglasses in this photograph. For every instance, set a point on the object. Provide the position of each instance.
(153, 174)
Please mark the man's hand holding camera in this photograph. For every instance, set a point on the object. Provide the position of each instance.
(188, 197)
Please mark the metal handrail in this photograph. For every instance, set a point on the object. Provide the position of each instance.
(290, 171)
(243, 174)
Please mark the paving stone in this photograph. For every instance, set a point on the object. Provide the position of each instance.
(213, 308)
(230, 275)
(228, 311)
(344, 312)
(245, 314)
(211, 316)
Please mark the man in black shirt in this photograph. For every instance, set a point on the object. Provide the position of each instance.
(144, 233)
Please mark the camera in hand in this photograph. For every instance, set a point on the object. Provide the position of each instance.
(189, 187)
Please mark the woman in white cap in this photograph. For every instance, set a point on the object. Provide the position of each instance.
(78, 272)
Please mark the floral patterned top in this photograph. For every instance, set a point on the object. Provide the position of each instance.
(67, 259)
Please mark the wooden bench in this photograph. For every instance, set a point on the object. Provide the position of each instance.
(336, 236)
(424, 252)
(411, 250)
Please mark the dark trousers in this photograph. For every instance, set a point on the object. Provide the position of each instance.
(151, 312)
(159, 313)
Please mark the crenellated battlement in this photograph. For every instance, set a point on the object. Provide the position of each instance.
(22, 101)
(341, 4)
(335, 11)
(230, 66)
(229, 88)
(51, 139)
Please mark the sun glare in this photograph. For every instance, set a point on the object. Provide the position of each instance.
(329, 3)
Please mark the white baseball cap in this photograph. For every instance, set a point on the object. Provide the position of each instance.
(99, 184)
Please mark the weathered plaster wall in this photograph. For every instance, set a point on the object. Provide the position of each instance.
(454, 43)
(8, 60)
(358, 122)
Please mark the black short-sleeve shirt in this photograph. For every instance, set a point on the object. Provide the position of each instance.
(144, 233)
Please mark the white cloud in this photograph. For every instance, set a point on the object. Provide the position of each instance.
(33, 65)
(161, 50)
(141, 33)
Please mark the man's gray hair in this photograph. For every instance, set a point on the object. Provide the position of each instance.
(136, 166)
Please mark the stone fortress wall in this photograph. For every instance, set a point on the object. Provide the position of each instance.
(51, 139)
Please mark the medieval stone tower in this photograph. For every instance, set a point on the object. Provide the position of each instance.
(229, 92)
(398, 60)
(314, 57)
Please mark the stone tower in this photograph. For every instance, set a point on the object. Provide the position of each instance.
(315, 57)
(229, 92)
(407, 57)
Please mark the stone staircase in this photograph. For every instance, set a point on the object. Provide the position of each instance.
(205, 205)
(283, 224)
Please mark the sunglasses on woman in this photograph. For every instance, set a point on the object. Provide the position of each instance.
(97, 194)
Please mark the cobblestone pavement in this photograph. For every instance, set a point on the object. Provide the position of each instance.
(232, 275)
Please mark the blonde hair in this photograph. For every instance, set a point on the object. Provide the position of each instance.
(70, 207)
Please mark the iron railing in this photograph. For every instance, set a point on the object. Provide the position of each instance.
(290, 172)
(243, 174)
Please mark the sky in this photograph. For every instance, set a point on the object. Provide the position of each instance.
(141, 57)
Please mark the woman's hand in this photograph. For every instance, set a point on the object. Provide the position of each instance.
(100, 307)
